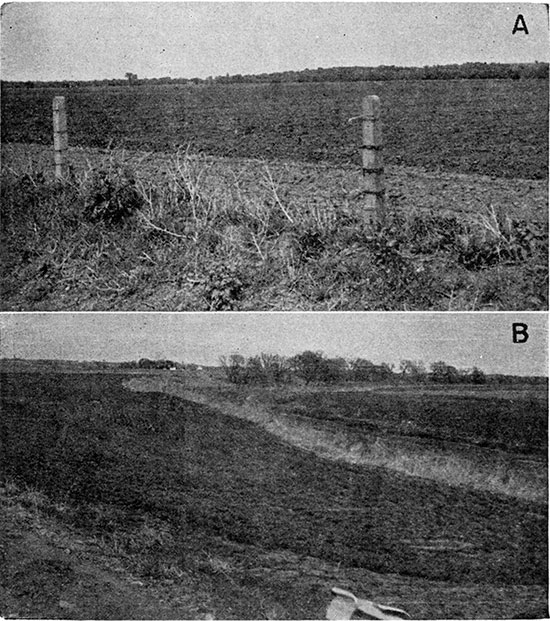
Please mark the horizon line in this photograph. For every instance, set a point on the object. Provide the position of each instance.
(298, 71)
(220, 366)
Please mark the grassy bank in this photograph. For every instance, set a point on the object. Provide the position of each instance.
(510, 461)
(188, 232)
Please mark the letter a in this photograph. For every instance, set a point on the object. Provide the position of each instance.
(520, 25)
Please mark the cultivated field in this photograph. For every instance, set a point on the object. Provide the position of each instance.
(249, 197)
(487, 127)
(131, 504)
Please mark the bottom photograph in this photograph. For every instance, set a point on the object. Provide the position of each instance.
(274, 465)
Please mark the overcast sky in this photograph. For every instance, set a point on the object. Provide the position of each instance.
(461, 339)
(96, 40)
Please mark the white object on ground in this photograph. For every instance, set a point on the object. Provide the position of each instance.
(345, 605)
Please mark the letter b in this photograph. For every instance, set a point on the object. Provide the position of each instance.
(519, 333)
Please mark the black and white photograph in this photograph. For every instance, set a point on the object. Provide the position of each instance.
(274, 310)
(274, 156)
(274, 466)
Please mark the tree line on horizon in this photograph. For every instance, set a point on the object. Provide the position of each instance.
(315, 368)
(274, 370)
(464, 71)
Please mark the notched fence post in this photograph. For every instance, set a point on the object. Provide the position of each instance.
(372, 161)
(60, 137)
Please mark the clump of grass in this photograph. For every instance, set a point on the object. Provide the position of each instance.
(32, 500)
(492, 238)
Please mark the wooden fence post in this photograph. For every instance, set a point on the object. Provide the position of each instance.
(60, 138)
(373, 168)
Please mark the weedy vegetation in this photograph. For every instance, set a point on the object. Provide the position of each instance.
(178, 222)
(183, 235)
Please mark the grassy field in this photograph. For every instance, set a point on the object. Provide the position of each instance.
(250, 198)
(199, 512)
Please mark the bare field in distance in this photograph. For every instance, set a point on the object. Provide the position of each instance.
(484, 127)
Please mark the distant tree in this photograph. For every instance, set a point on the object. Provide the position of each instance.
(384, 372)
(363, 370)
(308, 365)
(477, 376)
(453, 375)
(443, 373)
(252, 372)
(438, 372)
(131, 77)
(334, 370)
(265, 369)
(234, 368)
(131, 364)
(413, 370)
(276, 368)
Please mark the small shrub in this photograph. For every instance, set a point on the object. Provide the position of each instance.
(310, 245)
(511, 241)
(526, 239)
(428, 232)
(32, 205)
(111, 196)
(223, 288)
(475, 253)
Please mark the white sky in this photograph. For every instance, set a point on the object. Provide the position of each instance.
(96, 40)
(460, 339)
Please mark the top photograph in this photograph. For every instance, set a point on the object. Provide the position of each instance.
(274, 156)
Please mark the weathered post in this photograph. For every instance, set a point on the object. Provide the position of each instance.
(60, 138)
(373, 168)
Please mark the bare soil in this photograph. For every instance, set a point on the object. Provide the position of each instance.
(188, 511)
(321, 184)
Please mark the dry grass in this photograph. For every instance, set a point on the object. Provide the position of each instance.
(500, 476)
(483, 469)
(136, 231)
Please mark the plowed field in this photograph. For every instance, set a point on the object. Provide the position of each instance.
(269, 526)
(487, 127)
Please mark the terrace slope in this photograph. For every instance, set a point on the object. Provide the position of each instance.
(263, 517)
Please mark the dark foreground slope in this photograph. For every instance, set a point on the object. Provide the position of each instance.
(263, 527)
